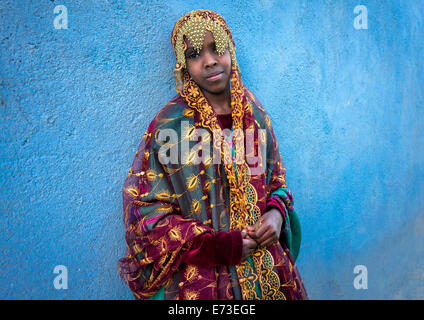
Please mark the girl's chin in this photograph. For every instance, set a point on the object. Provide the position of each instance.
(218, 88)
(216, 91)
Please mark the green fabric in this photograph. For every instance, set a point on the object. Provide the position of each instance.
(293, 237)
(160, 295)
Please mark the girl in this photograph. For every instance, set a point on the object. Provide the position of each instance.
(202, 226)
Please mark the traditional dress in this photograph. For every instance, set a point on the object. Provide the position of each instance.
(185, 206)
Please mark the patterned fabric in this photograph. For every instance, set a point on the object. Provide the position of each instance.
(167, 206)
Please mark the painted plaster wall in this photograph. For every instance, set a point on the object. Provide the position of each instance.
(346, 105)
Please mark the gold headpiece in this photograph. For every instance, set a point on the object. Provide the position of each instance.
(193, 26)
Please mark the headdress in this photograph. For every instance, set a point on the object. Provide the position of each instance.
(193, 26)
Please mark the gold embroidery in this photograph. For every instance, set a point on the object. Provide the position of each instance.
(192, 182)
(132, 191)
(195, 206)
(262, 259)
(191, 295)
(191, 157)
(188, 113)
(198, 229)
(166, 208)
(208, 185)
(191, 273)
(269, 280)
(163, 195)
(175, 233)
(151, 175)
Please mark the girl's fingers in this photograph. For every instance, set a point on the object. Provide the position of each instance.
(267, 237)
(269, 241)
(250, 228)
(262, 230)
(243, 233)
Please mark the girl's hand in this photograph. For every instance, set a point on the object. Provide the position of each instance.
(249, 245)
(267, 229)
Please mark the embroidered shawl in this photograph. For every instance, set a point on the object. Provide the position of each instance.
(168, 204)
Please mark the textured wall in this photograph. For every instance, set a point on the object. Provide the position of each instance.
(346, 104)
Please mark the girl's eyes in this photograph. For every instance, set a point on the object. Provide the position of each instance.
(193, 55)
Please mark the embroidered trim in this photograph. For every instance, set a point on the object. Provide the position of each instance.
(262, 259)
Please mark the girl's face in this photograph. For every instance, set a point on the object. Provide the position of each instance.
(209, 70)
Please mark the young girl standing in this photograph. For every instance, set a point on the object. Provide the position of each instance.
(201, 225)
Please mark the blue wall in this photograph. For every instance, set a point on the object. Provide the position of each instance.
(346, 105)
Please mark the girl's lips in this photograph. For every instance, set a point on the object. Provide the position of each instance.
(215, 77)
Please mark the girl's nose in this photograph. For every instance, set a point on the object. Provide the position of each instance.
(209, 59)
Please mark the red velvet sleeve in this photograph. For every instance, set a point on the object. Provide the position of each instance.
(210, 250)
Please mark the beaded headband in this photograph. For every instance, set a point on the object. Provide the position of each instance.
(193, 26)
